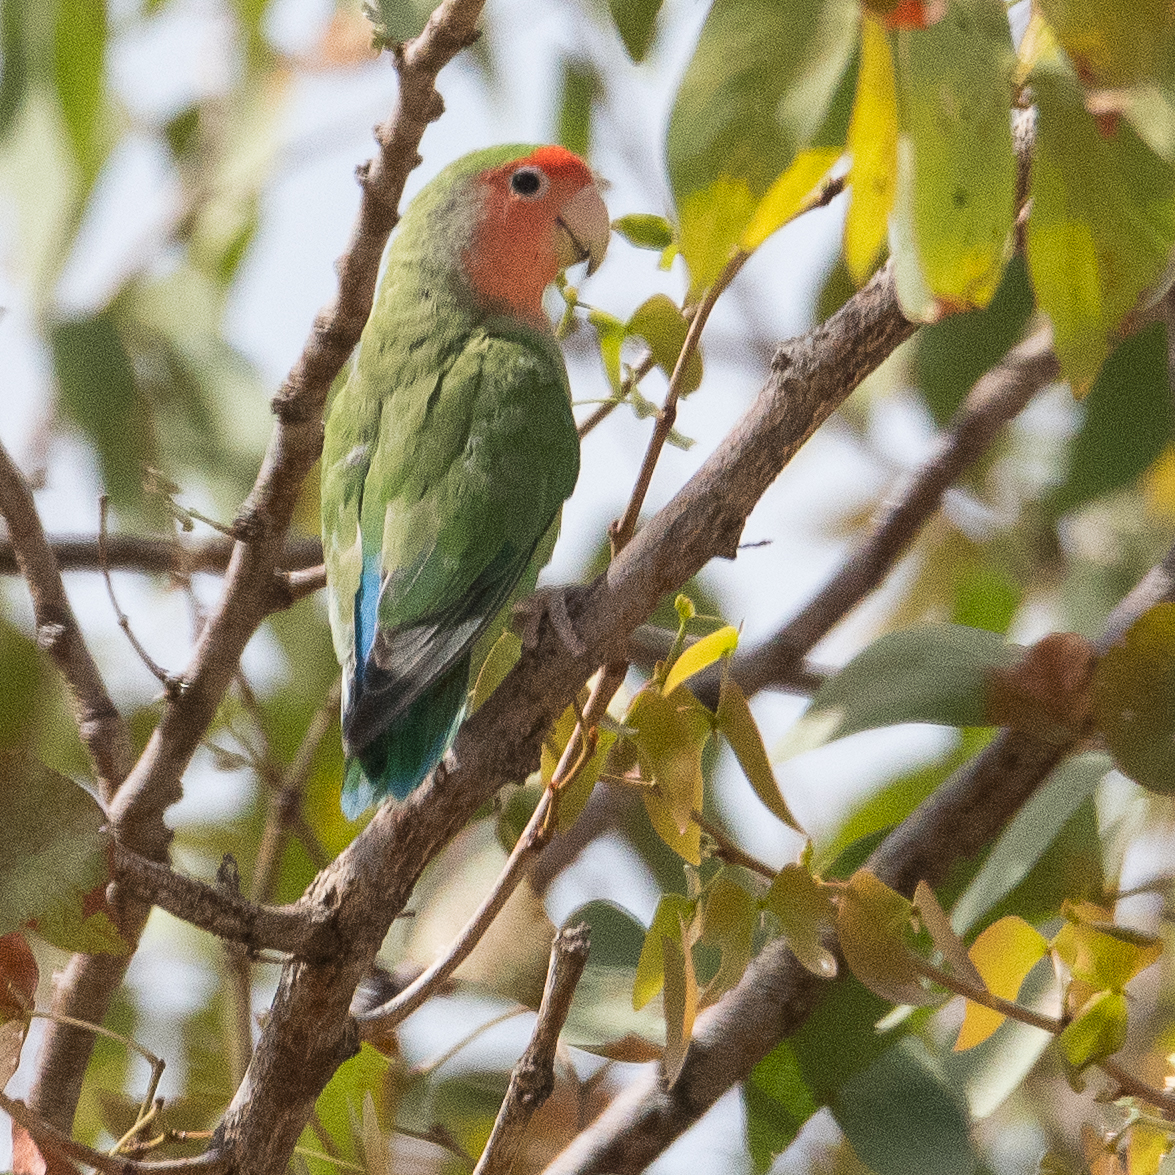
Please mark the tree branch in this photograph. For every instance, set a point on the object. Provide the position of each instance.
(102, 729)
(309, 1032)
(533, 1077)
(302, 930)
(42, 1131)
(161, 554)
(153, 784)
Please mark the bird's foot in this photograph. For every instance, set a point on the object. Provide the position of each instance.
(549, 602)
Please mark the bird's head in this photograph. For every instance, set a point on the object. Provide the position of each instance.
(536, 214)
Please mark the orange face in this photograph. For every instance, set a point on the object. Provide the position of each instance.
(538, 215)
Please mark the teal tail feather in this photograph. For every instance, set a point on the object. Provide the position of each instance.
(404, 755)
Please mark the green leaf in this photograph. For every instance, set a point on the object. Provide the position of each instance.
(1027, 838)
(1105, 958)
(670, 732)
(79, 49)
(805, 915)
(873, 924)
(728, 916)
(957, 186)
(617, 936)
(579, 87)
(778, 1102)
(672, 911)
(502, 657)
(738, 725)
(1134, 700)
(681, 1004)
(900, 1116)
(1102, 224)
(645, 230)
(611, 332)
(932, 673)
(1128, 421)
(56, 852)
(660, 322)
(1096, 1032)
(1114, 46)
(636, 22)
(96, 383)
(954, 353)
(757, 90)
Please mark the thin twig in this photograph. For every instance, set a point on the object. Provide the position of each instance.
(164, 554)
(729, 852)
(429, 1067)
(533, 1078)
(622, 531)
(172, 686)
(209, 1163)
(636, 373)
(379, 1021)
(1130, 1083)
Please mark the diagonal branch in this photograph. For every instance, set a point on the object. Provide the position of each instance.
(100, 725)
(309, 1031)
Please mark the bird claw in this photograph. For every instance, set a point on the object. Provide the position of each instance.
(549, 602)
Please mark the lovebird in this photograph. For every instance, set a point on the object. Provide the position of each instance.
(450, 450)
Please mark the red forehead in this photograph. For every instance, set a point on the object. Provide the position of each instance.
(565, 169)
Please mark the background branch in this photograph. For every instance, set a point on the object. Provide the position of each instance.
(533, 1078)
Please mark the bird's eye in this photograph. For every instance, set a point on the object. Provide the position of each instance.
(529, 182)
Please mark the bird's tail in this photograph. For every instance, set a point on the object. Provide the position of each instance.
(404, 755)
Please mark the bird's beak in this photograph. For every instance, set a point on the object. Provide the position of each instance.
(584, 229)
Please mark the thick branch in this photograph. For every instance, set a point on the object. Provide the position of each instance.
(533, 1077)
(309, 1032)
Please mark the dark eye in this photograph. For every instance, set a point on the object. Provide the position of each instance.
(528, 182)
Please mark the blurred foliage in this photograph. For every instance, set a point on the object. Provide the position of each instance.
(912, 104)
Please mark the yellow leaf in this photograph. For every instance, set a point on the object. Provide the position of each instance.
(499, 661)
(873, 145)
(791, 193)
(699, 655)
(1003, 955)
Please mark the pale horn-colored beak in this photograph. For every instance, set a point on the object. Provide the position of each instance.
(584, 230)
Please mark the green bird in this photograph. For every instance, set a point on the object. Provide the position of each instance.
(450, 451)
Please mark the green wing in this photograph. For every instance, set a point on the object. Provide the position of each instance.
(436, 495)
